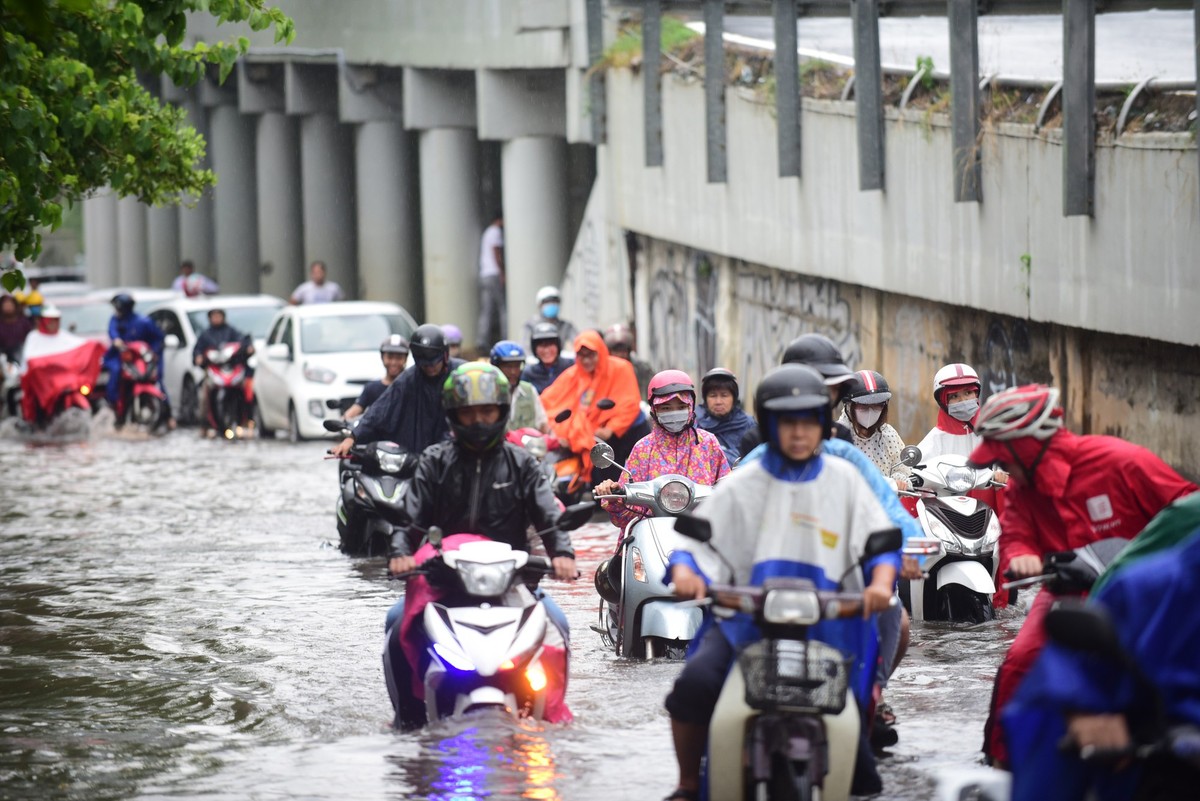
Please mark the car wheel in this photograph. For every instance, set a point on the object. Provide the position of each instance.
(189, 403)
(293, 425)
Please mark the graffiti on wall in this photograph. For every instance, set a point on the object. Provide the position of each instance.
(682, 295)
(776, 307)
(1007, 353)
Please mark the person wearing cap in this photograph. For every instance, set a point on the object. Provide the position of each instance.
(493, 316)
(1065, 491)
(393, 351)
(722, 414)
(674, 445)
(865, 413)
(454, 338)
(218, 333)
(527, 410)
(409, 412)
(547, 348)
(549, 305)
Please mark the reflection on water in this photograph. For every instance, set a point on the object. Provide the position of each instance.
(174, 623)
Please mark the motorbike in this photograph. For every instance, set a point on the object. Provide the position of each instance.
(230, 403)
(1074, 571)
(487, 640)
(960, 549)
(373, 478)
(566, 475)
(786, 725)
(638, 616)
(62, 376)
(138, 395)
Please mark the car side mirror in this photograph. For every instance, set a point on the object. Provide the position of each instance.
(171, 341)
(882, 542)
(1085, 629)
(602, 455)
(280, 351)
(696, 528)
(563, 416)
(604, 404)
(910, 456)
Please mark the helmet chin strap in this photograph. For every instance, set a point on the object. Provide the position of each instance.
(1032, 468)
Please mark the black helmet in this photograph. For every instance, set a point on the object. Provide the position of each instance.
(394, 344)
(791, 388)
(818, 351)
(123, 303)
(868, 387)
(428, 344)
(545, 332)
(719, 377)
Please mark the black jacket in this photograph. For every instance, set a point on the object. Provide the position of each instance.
(216, 336)
(409, 412)
(497, 494)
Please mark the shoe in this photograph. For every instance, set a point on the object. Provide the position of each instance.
(681, 794)
(883, 736)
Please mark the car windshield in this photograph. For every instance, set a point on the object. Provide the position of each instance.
(86, 318)
(252, 320)
(350, 332)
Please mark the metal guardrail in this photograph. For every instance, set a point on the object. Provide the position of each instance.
(1076, 92)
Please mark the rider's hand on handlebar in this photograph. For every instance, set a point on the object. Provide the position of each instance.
(1099, 732)
(343, 447)
(910, 568)
(1025, 566)
(401, 564)
(688, 585)
(606, 487)
(876, 598)
(564, 568)
(118, 343)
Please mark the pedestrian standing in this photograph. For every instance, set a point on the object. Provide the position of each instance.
(317, 289)
(191, 283)
(493, 321)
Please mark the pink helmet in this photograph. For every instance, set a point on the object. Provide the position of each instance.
(667, 384)
(952, 377)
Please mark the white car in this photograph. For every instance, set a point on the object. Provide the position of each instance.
(318, 358)
(182, 319)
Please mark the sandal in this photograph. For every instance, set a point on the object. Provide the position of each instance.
(884, 714)
(681, 794)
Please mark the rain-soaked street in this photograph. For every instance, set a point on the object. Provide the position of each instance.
(176, 623)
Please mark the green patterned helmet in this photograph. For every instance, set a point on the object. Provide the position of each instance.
(476, 384)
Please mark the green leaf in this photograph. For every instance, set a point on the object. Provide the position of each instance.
(13, 280)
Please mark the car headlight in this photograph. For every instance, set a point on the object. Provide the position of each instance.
(792, 607)
(316, 409)
(674, 497)
(485, 579)
(960, 479)
(390, 462)
(321, 375)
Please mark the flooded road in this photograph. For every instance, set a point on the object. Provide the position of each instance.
(175, 622)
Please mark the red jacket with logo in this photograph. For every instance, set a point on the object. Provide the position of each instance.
(1088, 488)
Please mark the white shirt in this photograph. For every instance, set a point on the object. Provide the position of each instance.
(308, 292)
(493, 237)
(195, 284)
(941, 443)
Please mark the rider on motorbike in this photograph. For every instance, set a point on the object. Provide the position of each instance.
(674, 445)
(393, 351)
(410, 411)
(792, 513)
(55, 363)
(1065, 491)
(475, 483)
(722, 414)
(865, 413)
(527, 409)
(956, 392)
(547, 347)
(14, 327)
(621, 343)
(126, 326)
(218, 333)
(454, 338)
(596, 376)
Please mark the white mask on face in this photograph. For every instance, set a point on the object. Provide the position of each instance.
(867, 416)
(963, 411)
(674, 421)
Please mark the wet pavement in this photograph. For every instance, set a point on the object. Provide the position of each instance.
(176, 622)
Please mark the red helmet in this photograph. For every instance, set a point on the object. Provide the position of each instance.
(668, 383)
(1028, 411)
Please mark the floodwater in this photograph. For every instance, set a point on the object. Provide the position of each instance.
(175, 622)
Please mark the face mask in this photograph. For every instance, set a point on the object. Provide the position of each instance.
(963, 411)
(674, 421)
(867, 417)
(550, 311)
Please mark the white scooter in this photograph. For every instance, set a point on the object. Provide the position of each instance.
(639, 617)
(960, 547)
(786, 725)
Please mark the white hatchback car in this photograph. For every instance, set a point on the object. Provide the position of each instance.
(317, 360)
(183, 319)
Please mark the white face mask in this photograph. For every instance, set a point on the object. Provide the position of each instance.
(963, 411)
(674, 421)
(866, 416)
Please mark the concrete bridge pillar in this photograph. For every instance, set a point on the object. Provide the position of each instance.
(100, 238)
(280, 208)
(236, 205)
(162, 243)
(196, 230)
(133, 261)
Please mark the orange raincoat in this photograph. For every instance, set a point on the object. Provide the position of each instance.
(579, 391)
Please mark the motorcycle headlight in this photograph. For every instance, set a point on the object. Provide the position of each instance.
(536, 446)
(488, 580)
(792, 607)
(217, 356)
(674, 497)
(960, 479)
(389, 462)
(321, 375)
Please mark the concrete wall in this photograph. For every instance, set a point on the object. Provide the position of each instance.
(1132, 269)
(697, 311)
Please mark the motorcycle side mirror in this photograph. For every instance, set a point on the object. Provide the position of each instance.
(882, 542)
(602, 455)
(575, 516)
(563, 416)
(696, 528)
(336, 426)
(171, 341)
(435, 537)
(604, 404)
(1085, 629)
(910, 456)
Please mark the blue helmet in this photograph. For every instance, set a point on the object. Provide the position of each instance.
(507, 351)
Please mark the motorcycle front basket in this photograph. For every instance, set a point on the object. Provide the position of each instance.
(797, 675)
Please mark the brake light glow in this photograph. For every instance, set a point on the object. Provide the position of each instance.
(536, 676)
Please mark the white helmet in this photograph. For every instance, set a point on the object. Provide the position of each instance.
(51, 313)
(547, 293)
(952, 377)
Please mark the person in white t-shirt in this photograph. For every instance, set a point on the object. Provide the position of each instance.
(493, 322)
(191, 283)
(317, 289)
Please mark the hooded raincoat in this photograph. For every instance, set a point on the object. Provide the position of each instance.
(409, 412)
